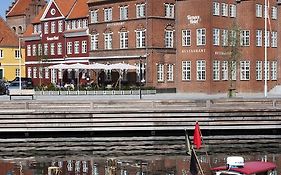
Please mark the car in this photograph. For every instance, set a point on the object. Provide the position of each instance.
(16, 85)
(3, 88)
(27, 82)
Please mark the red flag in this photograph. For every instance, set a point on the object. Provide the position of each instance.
(197, 136)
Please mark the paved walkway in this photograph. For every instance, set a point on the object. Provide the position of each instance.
(159, 96)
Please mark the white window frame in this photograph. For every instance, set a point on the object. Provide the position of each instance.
(140, 38)
(224, 37)
(123, 12)
(170, 72)
(245, 38)
(59, 48)
(201, 70)
(46, 49)
(53, 27)
(34, 72)
(107, 14)
(94, 16)
(108, 40)
(160, 72)
(47, 76)
(259, 10)
(267, 39)
(84, 46)
(29, 71)
(274, 13)
(46, 28)
(244, 70)
(60, 26)
(224, 9)
(259, 38)
(28, 52)
(266, 67)
(216, 9)
(232, 10)
(94, 41)
(52, 48)
(34, 50)
(186, 70)
(169, 38)
(274, 39)
(274, 70)
(39, 48)
(224, 70)
(17, 73)
(69, 48)
(140, 10)
(186, 37)
(216, 70)
(124, 40)
(76, 47)
(201, 37)
(169, 10)
(216, 37)
(258, 70)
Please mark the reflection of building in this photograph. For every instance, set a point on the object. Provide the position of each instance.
(58, 34)
(9, 53)
(21, 12)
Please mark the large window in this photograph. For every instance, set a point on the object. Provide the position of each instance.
(123, 12)
(245, 38)
(186, 70)
(216, 37)
(46, 49)
(34, 72)
(76, 47)
(216, 8)
(266, 70)
(201, 37)
(108, 41)
(224, 70)
(274, 70)
(267, 39)
(224, 9)
(94, 42)
(84, 46)
(59, 49)
(140, 10)
(69, 47)
(201, 70)
(140, 38)
(274, 12)
(123, 40)
(40, 51)
(94, 16)
(232, 10)
(259, 10)
(169, 10)
(160, 72)
(186, 38)
(244, 70)
(52, 45)
(53, 27)
(259, 70)
(46, 28)
(273, 39)
(258, 38)
(34, 50)
(28, 51)
(108, 14)
(216, 70)
(224, 37)
(60, 26)
(170, 72)
(169, 39)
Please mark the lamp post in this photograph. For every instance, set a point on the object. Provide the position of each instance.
(265, 47)
(140, 77)
(19, 63)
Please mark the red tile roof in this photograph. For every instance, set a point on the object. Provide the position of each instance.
(19, 8)
(8, 38)
(80, 10)
(65, 6)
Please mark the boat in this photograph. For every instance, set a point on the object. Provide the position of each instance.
(235, 165)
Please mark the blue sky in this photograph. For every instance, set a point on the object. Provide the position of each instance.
(4, 6)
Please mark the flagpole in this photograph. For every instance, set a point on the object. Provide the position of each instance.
(197, 160)
(265, 48)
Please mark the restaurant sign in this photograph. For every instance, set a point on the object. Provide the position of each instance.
(193, 19)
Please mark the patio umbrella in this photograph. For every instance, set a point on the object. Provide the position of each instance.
(58, 66)
(97, 66)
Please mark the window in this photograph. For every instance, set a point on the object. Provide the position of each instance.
(216, 37)
(224, 70)
(123, 12)
(76, 47)
(186, 70)
(123, 40)
(224, 37)
(40, 72)
(201, 69)
(259, 70)
(224, 9)
(35, 29)
(274, 12)
(266, 39)
(29, 72)
(233, 68)
(169, 39)
(52, 47)
(216, 9)
(232, 10)
(40, 49)
(69, 47)
(53, 27)
(108, 14)
(79, 24)
(216, 70)
(73, 24)
(34, 51)
(84, 46)
(160, 72)
(54, 76)
(47, 73)
(186, 38)
(258, 38)
(28, 52)
(94, 16)
(46, 28)
(46, 48)
(108, 76)
(245, 38)
(2, 53)
(258, 10)
(60, 26)
(140, 38)
(140, 10)
(108, 41)
(17, 54)
(274, 70)
(273, 39)
(266, 70)
(244, 70)
(59, 49)
(34, 72)
(169, 10)
(17, 72)
(201, 37)
(85, 24)
(94, 42)
(170, 72)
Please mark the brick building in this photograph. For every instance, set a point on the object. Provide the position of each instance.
(21, 12)
(58, 34)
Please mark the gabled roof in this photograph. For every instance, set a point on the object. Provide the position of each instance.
(8, 38)
(79, 10)
(65, 6)
(19, 8)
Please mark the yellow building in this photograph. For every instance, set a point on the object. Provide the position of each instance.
(12, 63)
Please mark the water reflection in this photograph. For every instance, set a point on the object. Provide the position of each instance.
(164, 165)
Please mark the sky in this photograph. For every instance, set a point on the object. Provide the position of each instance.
(4, 5)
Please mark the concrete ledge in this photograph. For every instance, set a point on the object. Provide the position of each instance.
(21, 92)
